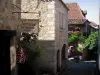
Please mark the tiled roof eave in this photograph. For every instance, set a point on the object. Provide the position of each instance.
(75, 15)
(76, 21)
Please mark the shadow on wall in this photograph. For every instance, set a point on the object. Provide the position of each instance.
(51, 58)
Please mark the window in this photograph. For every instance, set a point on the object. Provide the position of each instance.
(1, 3)
(62, 21)
(6, 4)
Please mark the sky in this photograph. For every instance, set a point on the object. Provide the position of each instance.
(92, 7)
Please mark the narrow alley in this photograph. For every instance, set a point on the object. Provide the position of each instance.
(79, 68)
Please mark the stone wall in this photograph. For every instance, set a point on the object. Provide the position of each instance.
(50, 36)
(61, 30)
(27, 15)
(47, 24)
(6, 16)
(8, 22)
(45, 29)
(47, 36)
(30, 6)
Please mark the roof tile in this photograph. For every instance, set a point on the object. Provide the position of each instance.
(75, 15)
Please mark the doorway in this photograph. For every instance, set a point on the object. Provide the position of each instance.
(5, 38)
(63, 53)
(58, 60)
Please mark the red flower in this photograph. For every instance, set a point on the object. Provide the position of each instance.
(21, 57)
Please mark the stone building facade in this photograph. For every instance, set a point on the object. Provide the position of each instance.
(7, 23)
(12, 18)
(76, 18)
(50, 17)
(53, 34)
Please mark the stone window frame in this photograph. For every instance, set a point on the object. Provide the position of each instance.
(62, 20)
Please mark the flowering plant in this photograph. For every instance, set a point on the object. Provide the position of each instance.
(28, 48)
(21, 56)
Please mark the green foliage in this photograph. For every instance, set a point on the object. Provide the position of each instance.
(91, 41)
(32, 49)
(72, 37)
(81, 38)
(75, 36)
(30, 44)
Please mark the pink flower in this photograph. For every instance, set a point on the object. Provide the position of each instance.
(21, 57)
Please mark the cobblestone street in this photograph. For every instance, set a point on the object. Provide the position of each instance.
(80, 68)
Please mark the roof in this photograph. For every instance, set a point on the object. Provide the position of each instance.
(75, 15)
(93, 25)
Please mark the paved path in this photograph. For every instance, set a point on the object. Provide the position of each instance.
(81, 68)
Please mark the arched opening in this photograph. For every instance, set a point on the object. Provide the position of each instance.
(63, 53)
(58, 60)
